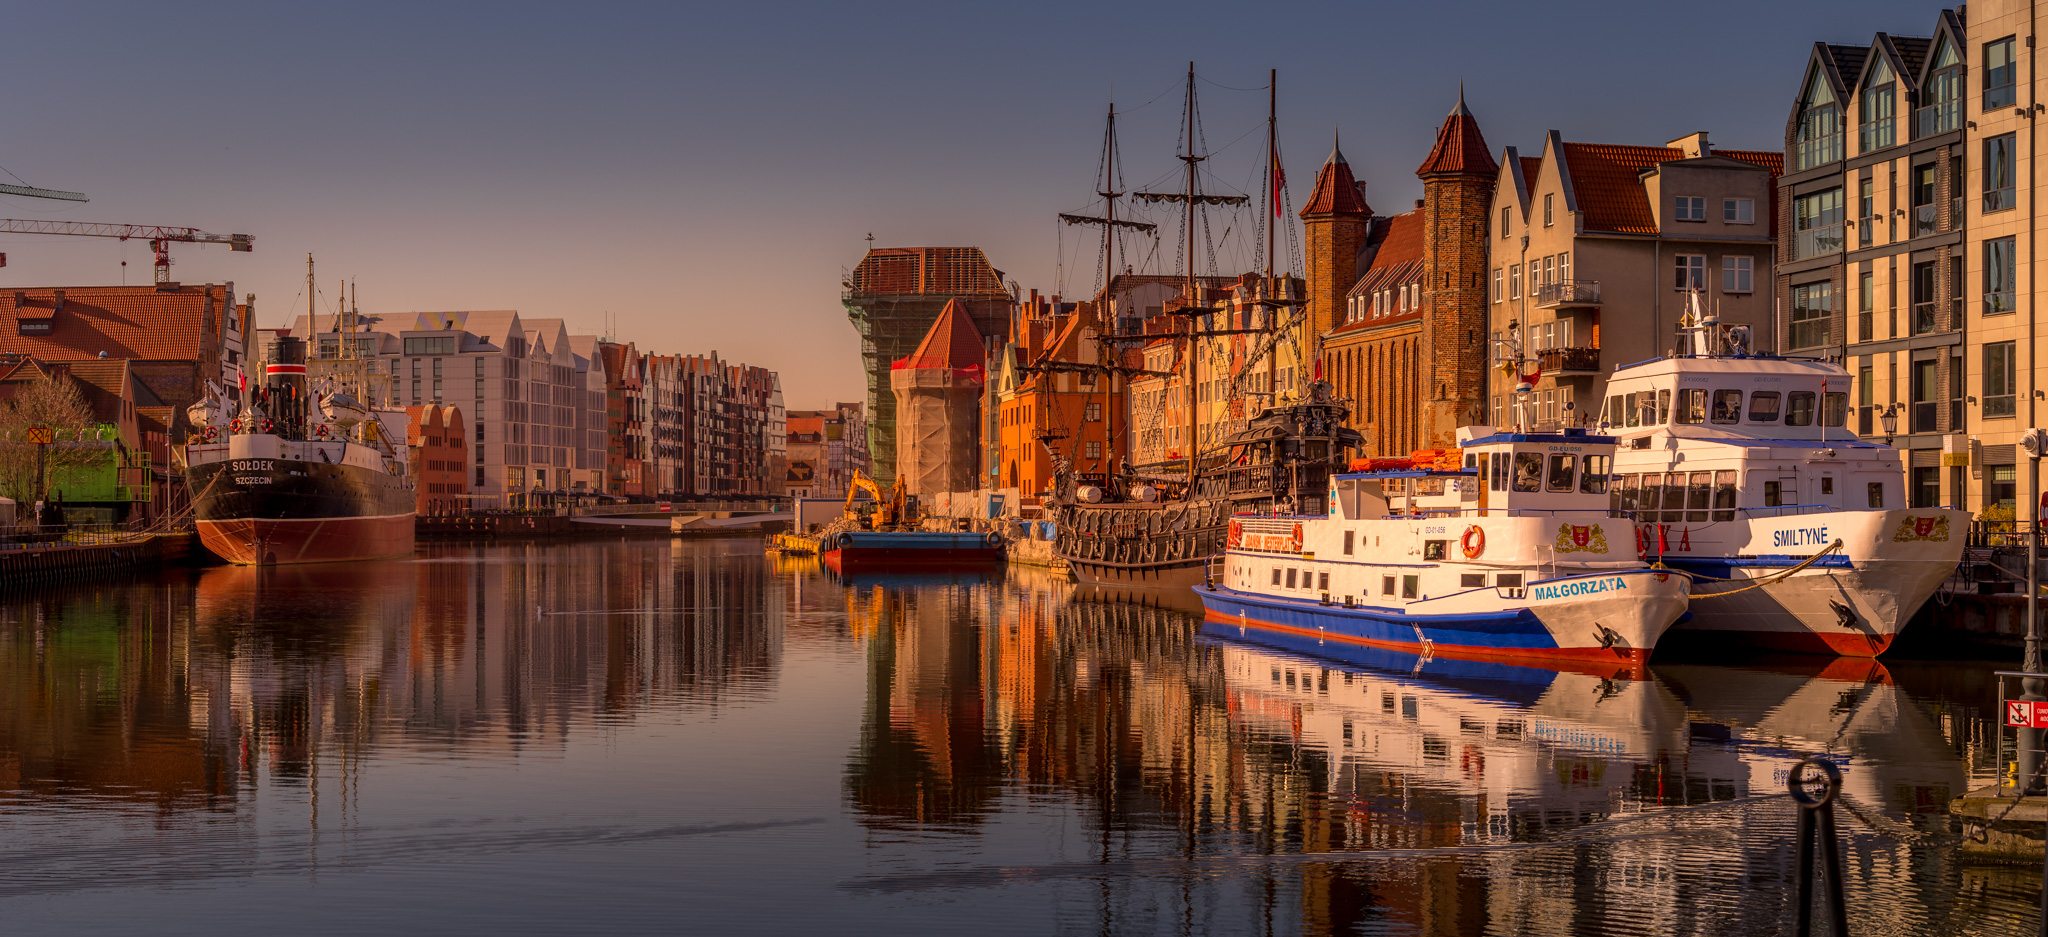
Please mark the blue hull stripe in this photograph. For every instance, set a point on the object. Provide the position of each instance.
(1507, 683)
(1514, 629)
(1724, 567)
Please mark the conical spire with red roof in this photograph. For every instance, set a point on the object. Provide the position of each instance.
(953, 343)
(1337, 191)
(1460, 147)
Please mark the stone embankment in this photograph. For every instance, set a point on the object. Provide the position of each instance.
(42, 563)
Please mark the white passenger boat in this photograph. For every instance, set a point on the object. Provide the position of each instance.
(1740, 470)
(1509, 551)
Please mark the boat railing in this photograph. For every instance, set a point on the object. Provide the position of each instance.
(1788, 510)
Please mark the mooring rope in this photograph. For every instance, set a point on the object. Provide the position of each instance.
(1767, 580)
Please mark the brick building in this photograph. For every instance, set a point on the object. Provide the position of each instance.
(1046, 400)
(116, 470)
(1399, 302)
(438, 438)
(625, 420)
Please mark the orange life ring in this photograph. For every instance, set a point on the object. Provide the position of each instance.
(1473, 542)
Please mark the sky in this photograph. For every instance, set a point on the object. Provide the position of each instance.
(698, 178)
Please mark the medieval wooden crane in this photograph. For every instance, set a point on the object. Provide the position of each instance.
(160, 237)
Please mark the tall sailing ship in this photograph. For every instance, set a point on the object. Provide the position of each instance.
(1160, 529)
(282, 474)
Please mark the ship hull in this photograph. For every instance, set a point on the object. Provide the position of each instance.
(1162, 577)
(885, 551)
(276, 511)
(1639, 605)
(250, 541)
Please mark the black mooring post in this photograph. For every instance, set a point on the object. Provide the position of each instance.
(1814, 784)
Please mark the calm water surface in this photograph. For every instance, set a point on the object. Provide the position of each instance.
(667, 737)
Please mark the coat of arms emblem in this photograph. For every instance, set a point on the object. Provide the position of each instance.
(1580, 538)
(1922, 528)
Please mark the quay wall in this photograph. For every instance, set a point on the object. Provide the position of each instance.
(55, 563)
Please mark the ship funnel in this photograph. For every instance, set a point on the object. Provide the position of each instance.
(285, 386)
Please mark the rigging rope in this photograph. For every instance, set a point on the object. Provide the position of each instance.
(1764, 580)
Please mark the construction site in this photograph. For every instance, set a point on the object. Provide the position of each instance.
(893, 298)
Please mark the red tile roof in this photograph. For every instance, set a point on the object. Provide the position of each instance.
(1460, 147)
(962, 271)
(1607, 181)
(1530, 166)
(1336, 191)
(1397, 261)
(134, 322)
(953, 343)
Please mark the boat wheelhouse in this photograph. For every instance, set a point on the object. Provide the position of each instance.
(1507, 549)
(1741, 470)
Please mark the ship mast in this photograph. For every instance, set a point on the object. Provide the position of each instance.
(1109, 223)
(1267, 313)
(1191, 200)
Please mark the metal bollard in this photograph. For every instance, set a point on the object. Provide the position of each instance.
(1814, 784)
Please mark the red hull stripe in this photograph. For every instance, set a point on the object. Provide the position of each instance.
(1597, 661)
(1806, 642)
(265, 542)
(883, 560)
(284, 369)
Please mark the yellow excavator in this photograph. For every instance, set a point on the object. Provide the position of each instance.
(890, 510)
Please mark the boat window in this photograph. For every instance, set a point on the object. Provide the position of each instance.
(1727, 406)
(1410, 585)
(1647, 495)
(1528, 471)
(1623, 498)
(1563, 471)
(1774, 494)
(1799, 408)
(1763, 406)
(1827, 484)
(1834, 409)
(1698, 495)
(1663, 408)
(1877, 494)
(1276, 575)
(1386, 585)
(1508, 580)
(1349, 537)
(1724, 495)
(1593, 475)
(1322, 582)
(1615, 405)
(1433, 549)
(1674, 497)
(1472, 581)
(1290, 579)
(1632, 410)
(1692, 405)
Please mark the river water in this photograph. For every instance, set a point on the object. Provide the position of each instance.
(690, 737)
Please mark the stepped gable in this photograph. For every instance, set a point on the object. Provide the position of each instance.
(1460, 147)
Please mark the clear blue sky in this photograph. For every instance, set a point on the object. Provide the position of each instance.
(704, 173)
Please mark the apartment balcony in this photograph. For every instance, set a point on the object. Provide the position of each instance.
(1816, 241)
(1939, 118)
(1569, 360)
(1564, 293)
(1806, 154)
(1926, 220)
(1876, 135)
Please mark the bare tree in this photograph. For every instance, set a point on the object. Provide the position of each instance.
(57, 405)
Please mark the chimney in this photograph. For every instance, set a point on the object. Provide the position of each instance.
(1693, 144)
(1418, 203)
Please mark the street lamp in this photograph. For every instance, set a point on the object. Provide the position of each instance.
(2035, 443)
(1889, 419)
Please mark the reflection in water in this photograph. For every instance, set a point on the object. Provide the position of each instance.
(697, 732)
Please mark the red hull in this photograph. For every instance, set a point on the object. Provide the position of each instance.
(878, 560)
(266, 542)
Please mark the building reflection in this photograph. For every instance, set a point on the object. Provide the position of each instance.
(186, 691)
(1533, 800)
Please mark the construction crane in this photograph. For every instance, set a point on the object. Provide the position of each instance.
(29, 191)
(158, 236)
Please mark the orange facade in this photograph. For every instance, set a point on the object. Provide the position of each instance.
(1050, 399)
(439, 439)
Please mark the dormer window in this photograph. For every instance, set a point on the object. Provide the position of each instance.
(1819, 139)
(1944, 109)
(1876, 132)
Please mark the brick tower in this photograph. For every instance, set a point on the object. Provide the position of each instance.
(1457, 190)
(1335, 221)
